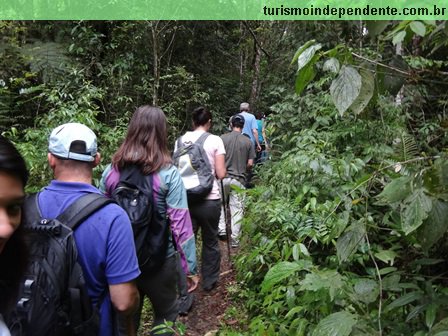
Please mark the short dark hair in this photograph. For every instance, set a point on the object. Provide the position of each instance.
(11, 161)
(201, 115)
(237, 121)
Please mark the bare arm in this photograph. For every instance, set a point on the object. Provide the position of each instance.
(255, 133)
(220, 166)
(250, 163)
(125, 297)
(263, 132)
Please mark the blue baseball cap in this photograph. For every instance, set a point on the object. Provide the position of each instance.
(73, 141)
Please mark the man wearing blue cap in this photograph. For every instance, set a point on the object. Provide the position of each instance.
(105, 242)
(240, 155)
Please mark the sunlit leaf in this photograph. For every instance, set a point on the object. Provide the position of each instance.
(397, 190)
(282, 271)
(336, 324)
(366, 290)
(416, 211)
(399, 37)
(332, 64)
(418, 27)
(345, 88)
(307, 55)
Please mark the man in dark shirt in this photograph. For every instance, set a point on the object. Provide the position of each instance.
(240, 155)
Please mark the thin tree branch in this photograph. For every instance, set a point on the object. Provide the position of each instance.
(381, 64)
(255, 39)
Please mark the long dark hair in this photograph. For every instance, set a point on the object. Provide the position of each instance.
(14, 257)
(146, 143)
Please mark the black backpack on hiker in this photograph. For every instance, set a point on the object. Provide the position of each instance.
(192, 163)
(134, 194)
(53, 298)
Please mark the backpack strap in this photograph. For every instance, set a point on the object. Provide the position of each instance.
(31, 211)
(179, 142)
(82, 208)
(202, 138)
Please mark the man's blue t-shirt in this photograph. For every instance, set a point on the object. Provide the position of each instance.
(250, 123)
(106, 250)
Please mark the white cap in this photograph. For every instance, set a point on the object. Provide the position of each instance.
(73, 141)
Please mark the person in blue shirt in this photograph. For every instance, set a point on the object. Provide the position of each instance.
(105, 241)
(250, 125)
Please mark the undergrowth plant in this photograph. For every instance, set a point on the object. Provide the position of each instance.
(344, 234)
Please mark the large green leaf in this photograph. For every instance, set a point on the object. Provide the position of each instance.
(375, 27)
(386, 256)
(399, 37)
(307, 55)
(345, 88)
(439, 328)
(391, 80)
(336, 324)
(304, 76)
(281, 271)
(332, 64)
(301, 50)
(404, 300)
(418, 27)
(330, 280)
(397, 190)
(435, 226)
(415, 211)
(366, 290)
(366, 93)
(347, 244)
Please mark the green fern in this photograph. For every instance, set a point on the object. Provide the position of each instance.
(48, 59)
(406, 147)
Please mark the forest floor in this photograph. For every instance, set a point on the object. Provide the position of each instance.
(209, 308)
(208, 313)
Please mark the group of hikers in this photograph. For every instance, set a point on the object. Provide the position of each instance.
(79, 260)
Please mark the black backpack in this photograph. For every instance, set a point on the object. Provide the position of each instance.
(53, 298)
(194, 167)
(151, 230)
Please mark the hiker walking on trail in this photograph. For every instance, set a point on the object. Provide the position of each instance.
(205, 212)
(106, 252)
(262, 139)
(239, 158)
(250, 125)
(13, 255)
(251, 130)
(143, 160)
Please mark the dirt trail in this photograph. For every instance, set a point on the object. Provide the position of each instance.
(208, 312)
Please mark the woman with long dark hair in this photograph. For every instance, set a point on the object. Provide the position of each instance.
(13, 253)
(145, 147)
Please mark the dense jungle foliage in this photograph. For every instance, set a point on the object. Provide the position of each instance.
(345, 232)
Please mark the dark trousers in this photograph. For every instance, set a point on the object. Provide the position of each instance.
(161, 289)
(205, 215)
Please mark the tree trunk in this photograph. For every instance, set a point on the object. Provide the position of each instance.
(254, 92)
(156, 63)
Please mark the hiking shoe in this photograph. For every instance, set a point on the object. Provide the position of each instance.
(185, 304)
(208, 288)
(222, 236)
(235, 243)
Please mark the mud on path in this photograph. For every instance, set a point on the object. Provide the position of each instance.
(208, 312)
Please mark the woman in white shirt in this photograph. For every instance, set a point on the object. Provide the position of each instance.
(205, 214)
